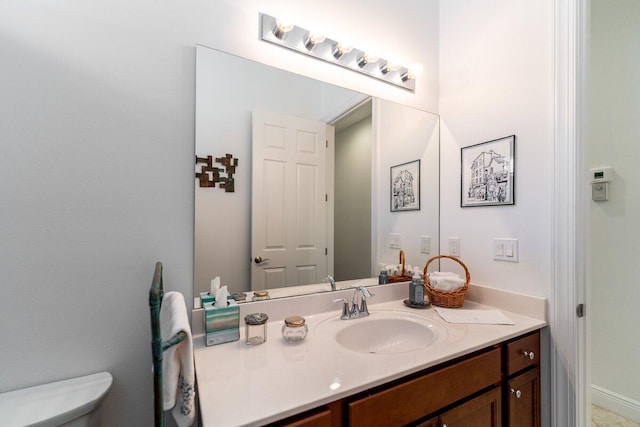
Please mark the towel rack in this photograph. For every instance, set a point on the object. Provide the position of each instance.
(158, 347)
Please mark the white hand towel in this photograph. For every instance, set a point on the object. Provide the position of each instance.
(446, 283)
(178, 373)
(443, 274)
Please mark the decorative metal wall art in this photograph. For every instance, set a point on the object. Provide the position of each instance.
(209, 175)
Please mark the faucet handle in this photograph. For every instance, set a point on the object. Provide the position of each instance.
(363, 310)
(365, 292)
(345, 308)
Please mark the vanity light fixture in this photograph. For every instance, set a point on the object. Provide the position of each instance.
(312, 44)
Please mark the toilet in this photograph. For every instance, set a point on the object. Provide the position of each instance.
(69, 403)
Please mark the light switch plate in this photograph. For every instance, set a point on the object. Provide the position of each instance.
(425, 244)
(395, 241)
(454, 246)
(505, 250)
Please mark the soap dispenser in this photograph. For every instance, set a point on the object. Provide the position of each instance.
(383, 278)
(416, 289)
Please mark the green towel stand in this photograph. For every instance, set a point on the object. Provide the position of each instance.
(158, 346)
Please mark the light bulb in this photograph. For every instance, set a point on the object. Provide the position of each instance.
(407, 75)
(281, 29)
(388, 67)
(366, 59)
(340, 49)
(313, 39)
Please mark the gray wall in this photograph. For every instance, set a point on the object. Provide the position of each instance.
(352, 211)
(614, 132)
(97, 148)
(97, 134)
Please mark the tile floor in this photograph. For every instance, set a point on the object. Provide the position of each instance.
(603, 418)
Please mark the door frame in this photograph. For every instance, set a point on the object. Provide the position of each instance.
(570, 400)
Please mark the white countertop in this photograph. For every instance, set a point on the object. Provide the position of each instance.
(240, 385)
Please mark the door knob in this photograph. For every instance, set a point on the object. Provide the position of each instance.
(260, 260)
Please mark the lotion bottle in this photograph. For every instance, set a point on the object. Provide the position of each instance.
(416, 289)
(383, 278)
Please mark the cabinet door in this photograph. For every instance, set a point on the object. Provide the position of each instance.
(482, 411)
(433, 422)
(524, 399)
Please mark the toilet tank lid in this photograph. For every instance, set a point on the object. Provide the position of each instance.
(54, 403)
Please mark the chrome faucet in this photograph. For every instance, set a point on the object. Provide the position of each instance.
(353, 310)
(331, 281)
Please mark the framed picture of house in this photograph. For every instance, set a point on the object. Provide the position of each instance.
(488, 173)
(405, 186)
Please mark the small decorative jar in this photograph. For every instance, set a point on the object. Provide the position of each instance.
(255, 331)
(294, 329)
(260, 295)
(239, 297)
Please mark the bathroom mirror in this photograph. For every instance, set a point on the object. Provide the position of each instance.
(365, 138)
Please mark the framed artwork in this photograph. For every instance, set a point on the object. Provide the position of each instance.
(405, 186)
(488, 173)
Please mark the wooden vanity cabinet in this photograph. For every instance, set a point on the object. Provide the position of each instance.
(498, 386)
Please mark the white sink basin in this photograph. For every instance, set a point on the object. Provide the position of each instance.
(386, 332)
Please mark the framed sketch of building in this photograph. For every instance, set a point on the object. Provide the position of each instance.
(488, 173)
(405, 186)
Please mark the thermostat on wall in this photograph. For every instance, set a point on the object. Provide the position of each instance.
(601, 175)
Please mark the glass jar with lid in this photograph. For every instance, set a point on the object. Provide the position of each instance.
(255, 331)
(294, 329)
(260, 295)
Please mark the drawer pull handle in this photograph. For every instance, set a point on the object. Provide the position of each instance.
(530, 354)
(518, 393)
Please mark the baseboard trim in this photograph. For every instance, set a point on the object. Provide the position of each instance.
(614, 402)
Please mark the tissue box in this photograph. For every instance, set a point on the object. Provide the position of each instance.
(221, 324)
(206, 297)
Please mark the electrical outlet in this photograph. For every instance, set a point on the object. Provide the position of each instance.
(425, 244)
(395, 241)
(454, 246)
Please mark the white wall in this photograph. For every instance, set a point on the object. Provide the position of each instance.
(614, 132)
(496, 79)
(403, 135)
(97, 180)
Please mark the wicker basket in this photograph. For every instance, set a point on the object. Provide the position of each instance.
(449, 299)
(403, 277)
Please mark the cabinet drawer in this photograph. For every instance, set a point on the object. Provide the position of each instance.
(416, 398)
(522, 353)
(321, 418)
